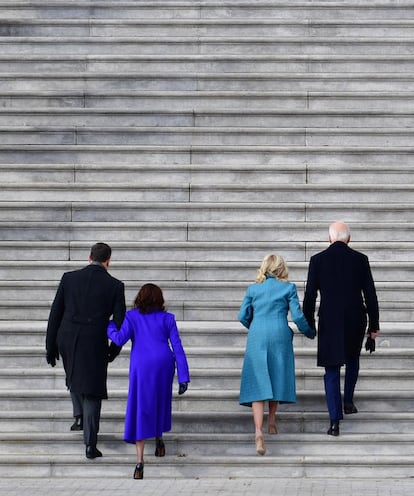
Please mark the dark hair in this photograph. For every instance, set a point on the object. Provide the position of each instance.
(100, 252)
(149, 299)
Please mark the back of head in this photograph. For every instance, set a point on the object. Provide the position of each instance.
(100, 252)
(339, 231)
(149, 299)
(273, 265)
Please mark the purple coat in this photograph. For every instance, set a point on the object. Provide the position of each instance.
(156, 349)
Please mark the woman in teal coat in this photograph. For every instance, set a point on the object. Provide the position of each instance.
(268, 372)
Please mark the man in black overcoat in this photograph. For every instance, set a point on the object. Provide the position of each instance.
(77, 331)
(343, 278)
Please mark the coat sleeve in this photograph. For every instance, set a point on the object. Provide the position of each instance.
(178, 350)
(120, 306)
(55, 318)
(297, 315)
(311, 293)
(370, 297)
(246, 310)
(124, 334)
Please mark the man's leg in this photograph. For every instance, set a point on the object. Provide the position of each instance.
(351, 377)
(332, 381)
(77, 405)
(91, 418)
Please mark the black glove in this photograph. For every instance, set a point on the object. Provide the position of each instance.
(113, 351)
(370, 344)
(52, 356)
(182, 387)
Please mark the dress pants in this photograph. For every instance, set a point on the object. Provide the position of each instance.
(332, 379)
(89, 407)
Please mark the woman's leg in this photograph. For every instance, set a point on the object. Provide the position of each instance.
(271, 420)
(258, 413)
(140, 450)
(139, 468)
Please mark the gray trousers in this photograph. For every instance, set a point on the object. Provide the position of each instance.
(89, 408)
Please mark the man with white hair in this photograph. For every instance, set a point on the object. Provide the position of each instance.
(343, 278)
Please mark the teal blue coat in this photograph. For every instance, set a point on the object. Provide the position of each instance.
(268, 371)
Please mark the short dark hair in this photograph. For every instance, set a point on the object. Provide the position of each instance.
(149, 299)
(100, 252)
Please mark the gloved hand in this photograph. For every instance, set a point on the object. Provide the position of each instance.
(52, 356)
(113, 351)
(370, 344)
(311, 335)
(182, 387)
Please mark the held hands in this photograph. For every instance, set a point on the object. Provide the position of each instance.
(113, 351)
(182, 387)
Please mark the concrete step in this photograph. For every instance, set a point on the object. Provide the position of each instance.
(214, 357)
(373, 63)
(251, 156)
(128, 120)
(195, 289)
(210, 379)
(198, 333)
(212, 445)
(254, 26)
(299, 250)
(213, 100)
(193, 401)
(199, 193)
(202, 311)
(335, 45)
(67, 211)
(297, 9)
(192, 232)
(289, 422)
(219, 172)
(198, 298)
(210, 81)
(190, 467)
(211, 135)
(389, 276)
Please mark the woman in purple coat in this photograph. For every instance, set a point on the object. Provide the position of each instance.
(156, 349)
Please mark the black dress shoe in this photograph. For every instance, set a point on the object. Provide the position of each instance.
(159, 447)
(139, 471)
(334, 429)
(92, 452)
(77, 425)
(350, 408)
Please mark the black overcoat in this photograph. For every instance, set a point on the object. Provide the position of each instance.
(343, 278)
(77, 327)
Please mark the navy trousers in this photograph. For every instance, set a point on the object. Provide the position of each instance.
(332, 380)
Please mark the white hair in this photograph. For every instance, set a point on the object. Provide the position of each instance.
(339, 231)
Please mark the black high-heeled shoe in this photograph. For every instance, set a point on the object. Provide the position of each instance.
(139, 471)
(159, 447)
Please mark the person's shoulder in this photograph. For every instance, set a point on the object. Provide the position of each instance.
(167, 315)
(357, 254)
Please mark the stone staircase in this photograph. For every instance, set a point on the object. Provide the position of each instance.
(195, 137)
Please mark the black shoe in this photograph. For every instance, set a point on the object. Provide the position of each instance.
(350, 408)
(159, 447)
(92, 452)
(139, 471)
(334, 429)
(77, 425)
